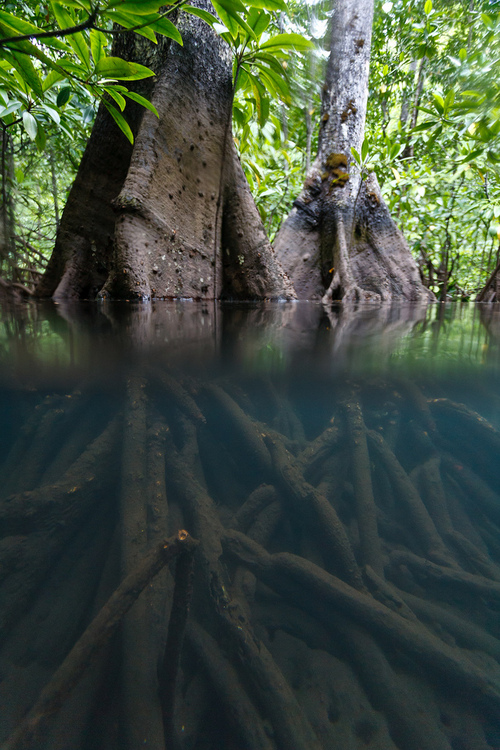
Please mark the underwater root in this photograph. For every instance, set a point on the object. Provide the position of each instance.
(340, 589)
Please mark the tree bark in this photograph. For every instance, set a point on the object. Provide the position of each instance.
(339, 241)
(172, 216)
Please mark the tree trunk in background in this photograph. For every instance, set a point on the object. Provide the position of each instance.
(7, 221)
(339, 241)
(171, 216)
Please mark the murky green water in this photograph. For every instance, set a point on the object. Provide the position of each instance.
(340, 472)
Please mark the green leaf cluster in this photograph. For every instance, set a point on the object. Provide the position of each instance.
(50, 55)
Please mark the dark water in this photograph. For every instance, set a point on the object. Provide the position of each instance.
(340, 472)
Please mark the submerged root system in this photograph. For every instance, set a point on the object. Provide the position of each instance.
(344, 589)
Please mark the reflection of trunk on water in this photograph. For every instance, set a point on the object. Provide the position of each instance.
(346, 580)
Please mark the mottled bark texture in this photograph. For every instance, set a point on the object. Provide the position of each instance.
(339, 241)
(171, 216)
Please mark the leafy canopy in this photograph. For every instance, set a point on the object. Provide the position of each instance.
(49, 55)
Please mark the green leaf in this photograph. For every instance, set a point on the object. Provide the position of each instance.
(53, 77)
(448, 102)
(116, 96)
(80, 5)
(26, 70)
(288, 41)
(276, 5)
(21, 27)
(395, 151)
(471, 156)
(385, 70)
(142, 100)
(88, 114)
(279, 83)
(259, 21)
(463, 54)
(274, 85)
(30, 125)
(232, 20)
(261, 100)
(203, 14)
(77, 41)
(243, 82)
(364, 150)
(254, 169)
(233, 6)
(130, 22)
(269, 59)
(487, 20)
(166, 28)
(428, 7)
(11, 107)
(239, 115)
(68, 66)
(357, 157)
(439, 103)
(98, 44)
(138, 8)
(52, 113)
(63, 96)
(41, 139)
(115, 67)
(424, 126)
(120, 120)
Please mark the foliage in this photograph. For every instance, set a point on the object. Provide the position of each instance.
(433, 122)
(435, 149)
(49, 54)
(56, 65)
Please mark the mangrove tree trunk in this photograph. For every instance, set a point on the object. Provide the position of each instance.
(171, 216)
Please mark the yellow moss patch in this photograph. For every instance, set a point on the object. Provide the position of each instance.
(334, 161)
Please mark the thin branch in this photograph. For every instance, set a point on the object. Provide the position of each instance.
(88, 24)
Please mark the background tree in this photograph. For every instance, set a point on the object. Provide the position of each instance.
(339, 236)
